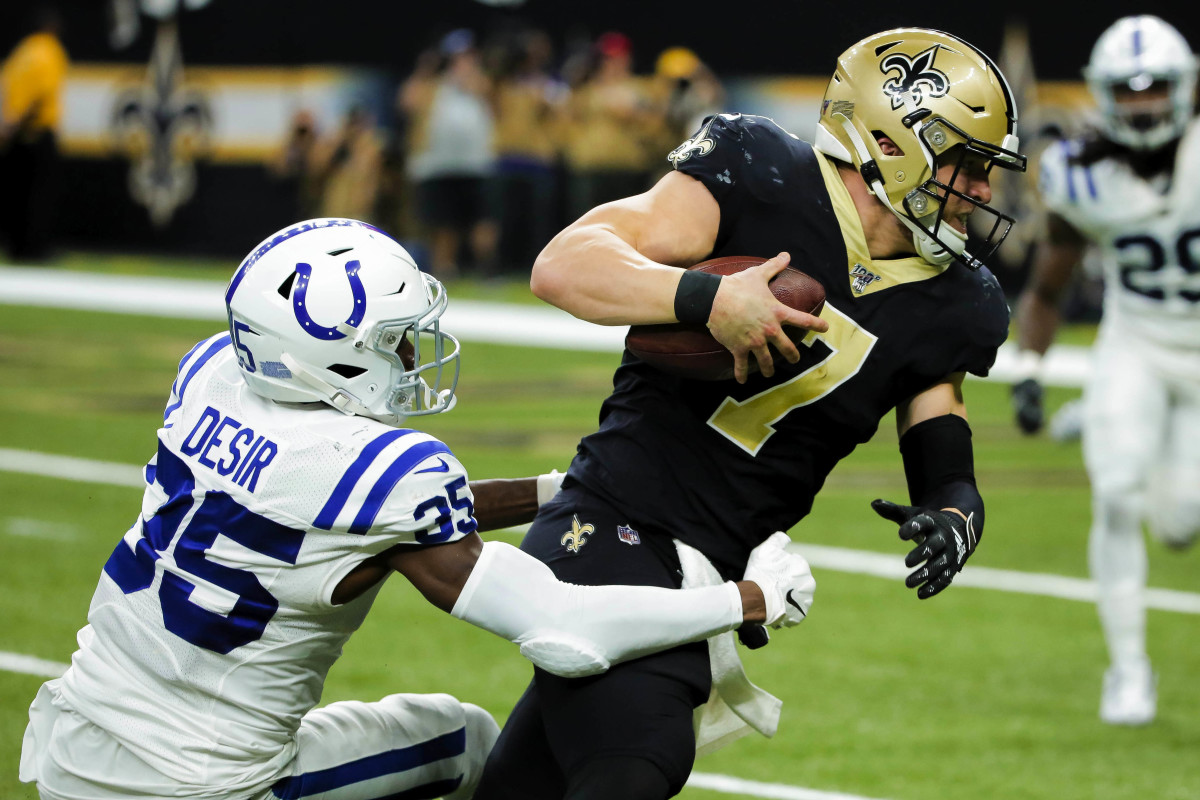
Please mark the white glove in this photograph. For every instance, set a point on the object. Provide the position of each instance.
(785, 579)
(548, 485)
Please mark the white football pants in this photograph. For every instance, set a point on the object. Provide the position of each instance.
(431, 745)
(1141, 445)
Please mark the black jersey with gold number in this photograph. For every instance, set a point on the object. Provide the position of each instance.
(722, 465)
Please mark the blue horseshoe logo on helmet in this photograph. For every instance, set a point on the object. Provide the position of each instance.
(304, 273)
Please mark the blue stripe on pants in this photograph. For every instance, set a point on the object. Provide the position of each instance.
(386, 763)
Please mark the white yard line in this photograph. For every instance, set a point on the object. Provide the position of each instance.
(470, 320)
(70, 468)
(497, 323)
(28, 665)
(778, 791)
(839, 559)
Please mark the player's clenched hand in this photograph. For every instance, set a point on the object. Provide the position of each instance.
(785, 579)
(944, 541)
(1027, 405)
(746, 318)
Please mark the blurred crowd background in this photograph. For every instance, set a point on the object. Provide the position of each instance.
(472, 131)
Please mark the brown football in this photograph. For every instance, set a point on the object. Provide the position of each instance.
(690, 351)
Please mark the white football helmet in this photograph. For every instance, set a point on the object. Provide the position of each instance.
(335, 311)
(1133, 55)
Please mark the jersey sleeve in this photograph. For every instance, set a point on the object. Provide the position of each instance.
(737, 158)
(1067, 189)
(404, 487)
(988, 326)
(431, 504)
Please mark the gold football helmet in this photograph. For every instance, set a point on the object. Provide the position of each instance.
(940, 101)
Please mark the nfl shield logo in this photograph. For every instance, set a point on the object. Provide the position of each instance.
(628, 535)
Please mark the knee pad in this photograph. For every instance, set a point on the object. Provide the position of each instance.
(1173, 508)
(1176, 525)
(1117, 511)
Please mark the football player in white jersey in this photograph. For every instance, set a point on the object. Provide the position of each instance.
(1131, 190)
(283, 491)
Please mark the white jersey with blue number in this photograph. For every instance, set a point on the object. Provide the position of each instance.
(212, 628)
(1148, 233)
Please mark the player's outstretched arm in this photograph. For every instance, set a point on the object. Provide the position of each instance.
(505, 502)
(946, 518)
(1038, 317)
(579, 630)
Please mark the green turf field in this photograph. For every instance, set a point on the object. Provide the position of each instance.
(974, 694)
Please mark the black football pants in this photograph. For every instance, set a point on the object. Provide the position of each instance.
(624, 734)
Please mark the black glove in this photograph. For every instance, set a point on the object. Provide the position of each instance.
(1027, 405)
(944, 542)
(753, 636)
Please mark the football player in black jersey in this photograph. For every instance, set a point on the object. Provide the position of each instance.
(876, 209)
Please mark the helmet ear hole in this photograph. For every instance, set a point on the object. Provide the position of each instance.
(887, 144)
(347, 371)
(285, 288)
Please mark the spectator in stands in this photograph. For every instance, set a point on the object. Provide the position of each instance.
(349, 165)
(611, 125)
(31, 84)
(451, 154)
(686, 91)
(295, 165)
(529, 100)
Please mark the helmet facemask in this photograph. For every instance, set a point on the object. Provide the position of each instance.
(426, 358)
(1142, 74)
(924, 208)
(1144, 112)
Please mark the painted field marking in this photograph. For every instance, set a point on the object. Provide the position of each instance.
(470, 320)
(727, 784)
(30, 665)
(839, 559)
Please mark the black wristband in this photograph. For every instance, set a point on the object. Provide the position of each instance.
(694, 296)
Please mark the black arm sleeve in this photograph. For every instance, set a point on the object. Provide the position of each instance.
(939, 465)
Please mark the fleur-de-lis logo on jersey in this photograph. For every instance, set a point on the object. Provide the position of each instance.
(698, 145)
(577, 536)
(916, 78)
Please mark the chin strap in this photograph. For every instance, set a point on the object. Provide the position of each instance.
(927, 246)
(431, 399)
(340, 399)
(350, 405)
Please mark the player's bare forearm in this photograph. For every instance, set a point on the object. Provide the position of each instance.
(440, 572)
(591, 272)
(1054, 261)
(754, 605)
(1037, 322)
(504, 502)
(619, 264)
